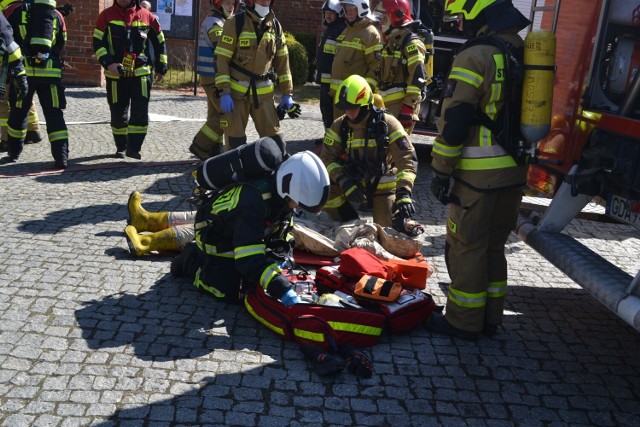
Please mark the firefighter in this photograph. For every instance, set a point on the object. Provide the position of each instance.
(240, 231)
(358, 48)
(370, 159)
(122, 39)
(40, 30)
(487, 181)
(333, 21)
(403, 75)
(11, 63)
(251, 56)
(208, 141)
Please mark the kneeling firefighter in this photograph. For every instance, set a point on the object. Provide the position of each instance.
(370, 160)
(241, 230)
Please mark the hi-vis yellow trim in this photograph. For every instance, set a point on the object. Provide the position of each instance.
(467, 299)
(307, 335)
(497, 289)
(467, 76)
(227, 201)
(355, 328)
(486, 163)
(262, 320)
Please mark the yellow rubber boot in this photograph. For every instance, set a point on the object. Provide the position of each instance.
(140, 244)
(143, 220)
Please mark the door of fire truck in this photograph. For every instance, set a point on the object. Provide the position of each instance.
(592, 152)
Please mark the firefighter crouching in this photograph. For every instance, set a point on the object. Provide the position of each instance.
(209, 139)
(370, 159)
(358, 48)
(253, 44)
(121, 41)
(403, 75)
(39, 29)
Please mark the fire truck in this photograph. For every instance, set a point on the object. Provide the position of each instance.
(592, 151)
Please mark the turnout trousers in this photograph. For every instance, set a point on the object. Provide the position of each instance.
(53, 101)
(478, 227)
(129, 130)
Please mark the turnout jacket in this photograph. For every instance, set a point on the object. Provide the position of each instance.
(210, 32)
(402, 71)
(465, 149)
(10, 53)
(327, 49)
(38, 28)
(357, 52)
(129, 30)
(360, 146)
(258, 49)
(239, 224)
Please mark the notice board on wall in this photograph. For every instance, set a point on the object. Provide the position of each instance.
(177, 18)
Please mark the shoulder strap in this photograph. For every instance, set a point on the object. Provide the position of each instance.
(239, 23)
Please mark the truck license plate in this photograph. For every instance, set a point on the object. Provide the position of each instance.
(624, 210)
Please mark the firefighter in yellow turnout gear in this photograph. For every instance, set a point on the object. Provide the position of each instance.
(357, 50)
(251, 45)
(209, 139)
(487, 181)
(403, 74)
(369, 157)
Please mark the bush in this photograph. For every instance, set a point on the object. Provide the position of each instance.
(298, 60)
(309, 41)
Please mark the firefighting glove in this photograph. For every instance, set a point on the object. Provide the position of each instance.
(290, 298)
(406, 226)
(323, 362)
(440, 187)
(294, 112)
(351, 190)
(226, 103)
(21, 86)
(358, 362)
(405, 116)
(404, 204)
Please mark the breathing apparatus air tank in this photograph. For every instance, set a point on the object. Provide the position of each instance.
(537, 87)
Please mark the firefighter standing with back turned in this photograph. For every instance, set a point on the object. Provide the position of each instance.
(39, 29)
(403, 74)
(121, 45)
(370, 159)
(209, 139)
(251, 57)
(487, 180)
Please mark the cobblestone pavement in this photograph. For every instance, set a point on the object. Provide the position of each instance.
(91, 336)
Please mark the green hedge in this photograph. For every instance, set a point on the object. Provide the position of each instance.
(298, 60)
(308, 40)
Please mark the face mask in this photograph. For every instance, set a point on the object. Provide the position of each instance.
(261, 10)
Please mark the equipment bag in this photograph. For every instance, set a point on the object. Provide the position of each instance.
(411, 309)
(351, 326)
(372, 288)
(329, 278)
(247, 162)
(356, 262)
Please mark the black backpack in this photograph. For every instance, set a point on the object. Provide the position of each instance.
(506, 127)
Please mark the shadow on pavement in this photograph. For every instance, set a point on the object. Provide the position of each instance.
(171, 321)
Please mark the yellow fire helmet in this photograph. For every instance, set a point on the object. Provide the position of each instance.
(469, 8)
(354, 91)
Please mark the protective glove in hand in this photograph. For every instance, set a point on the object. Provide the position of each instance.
(226, 103)
(404, 204)
(295, 111)
(290, 298)
(440, 188)
(405, 116)
(351, 190)
(286, 103)
(21, 85)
